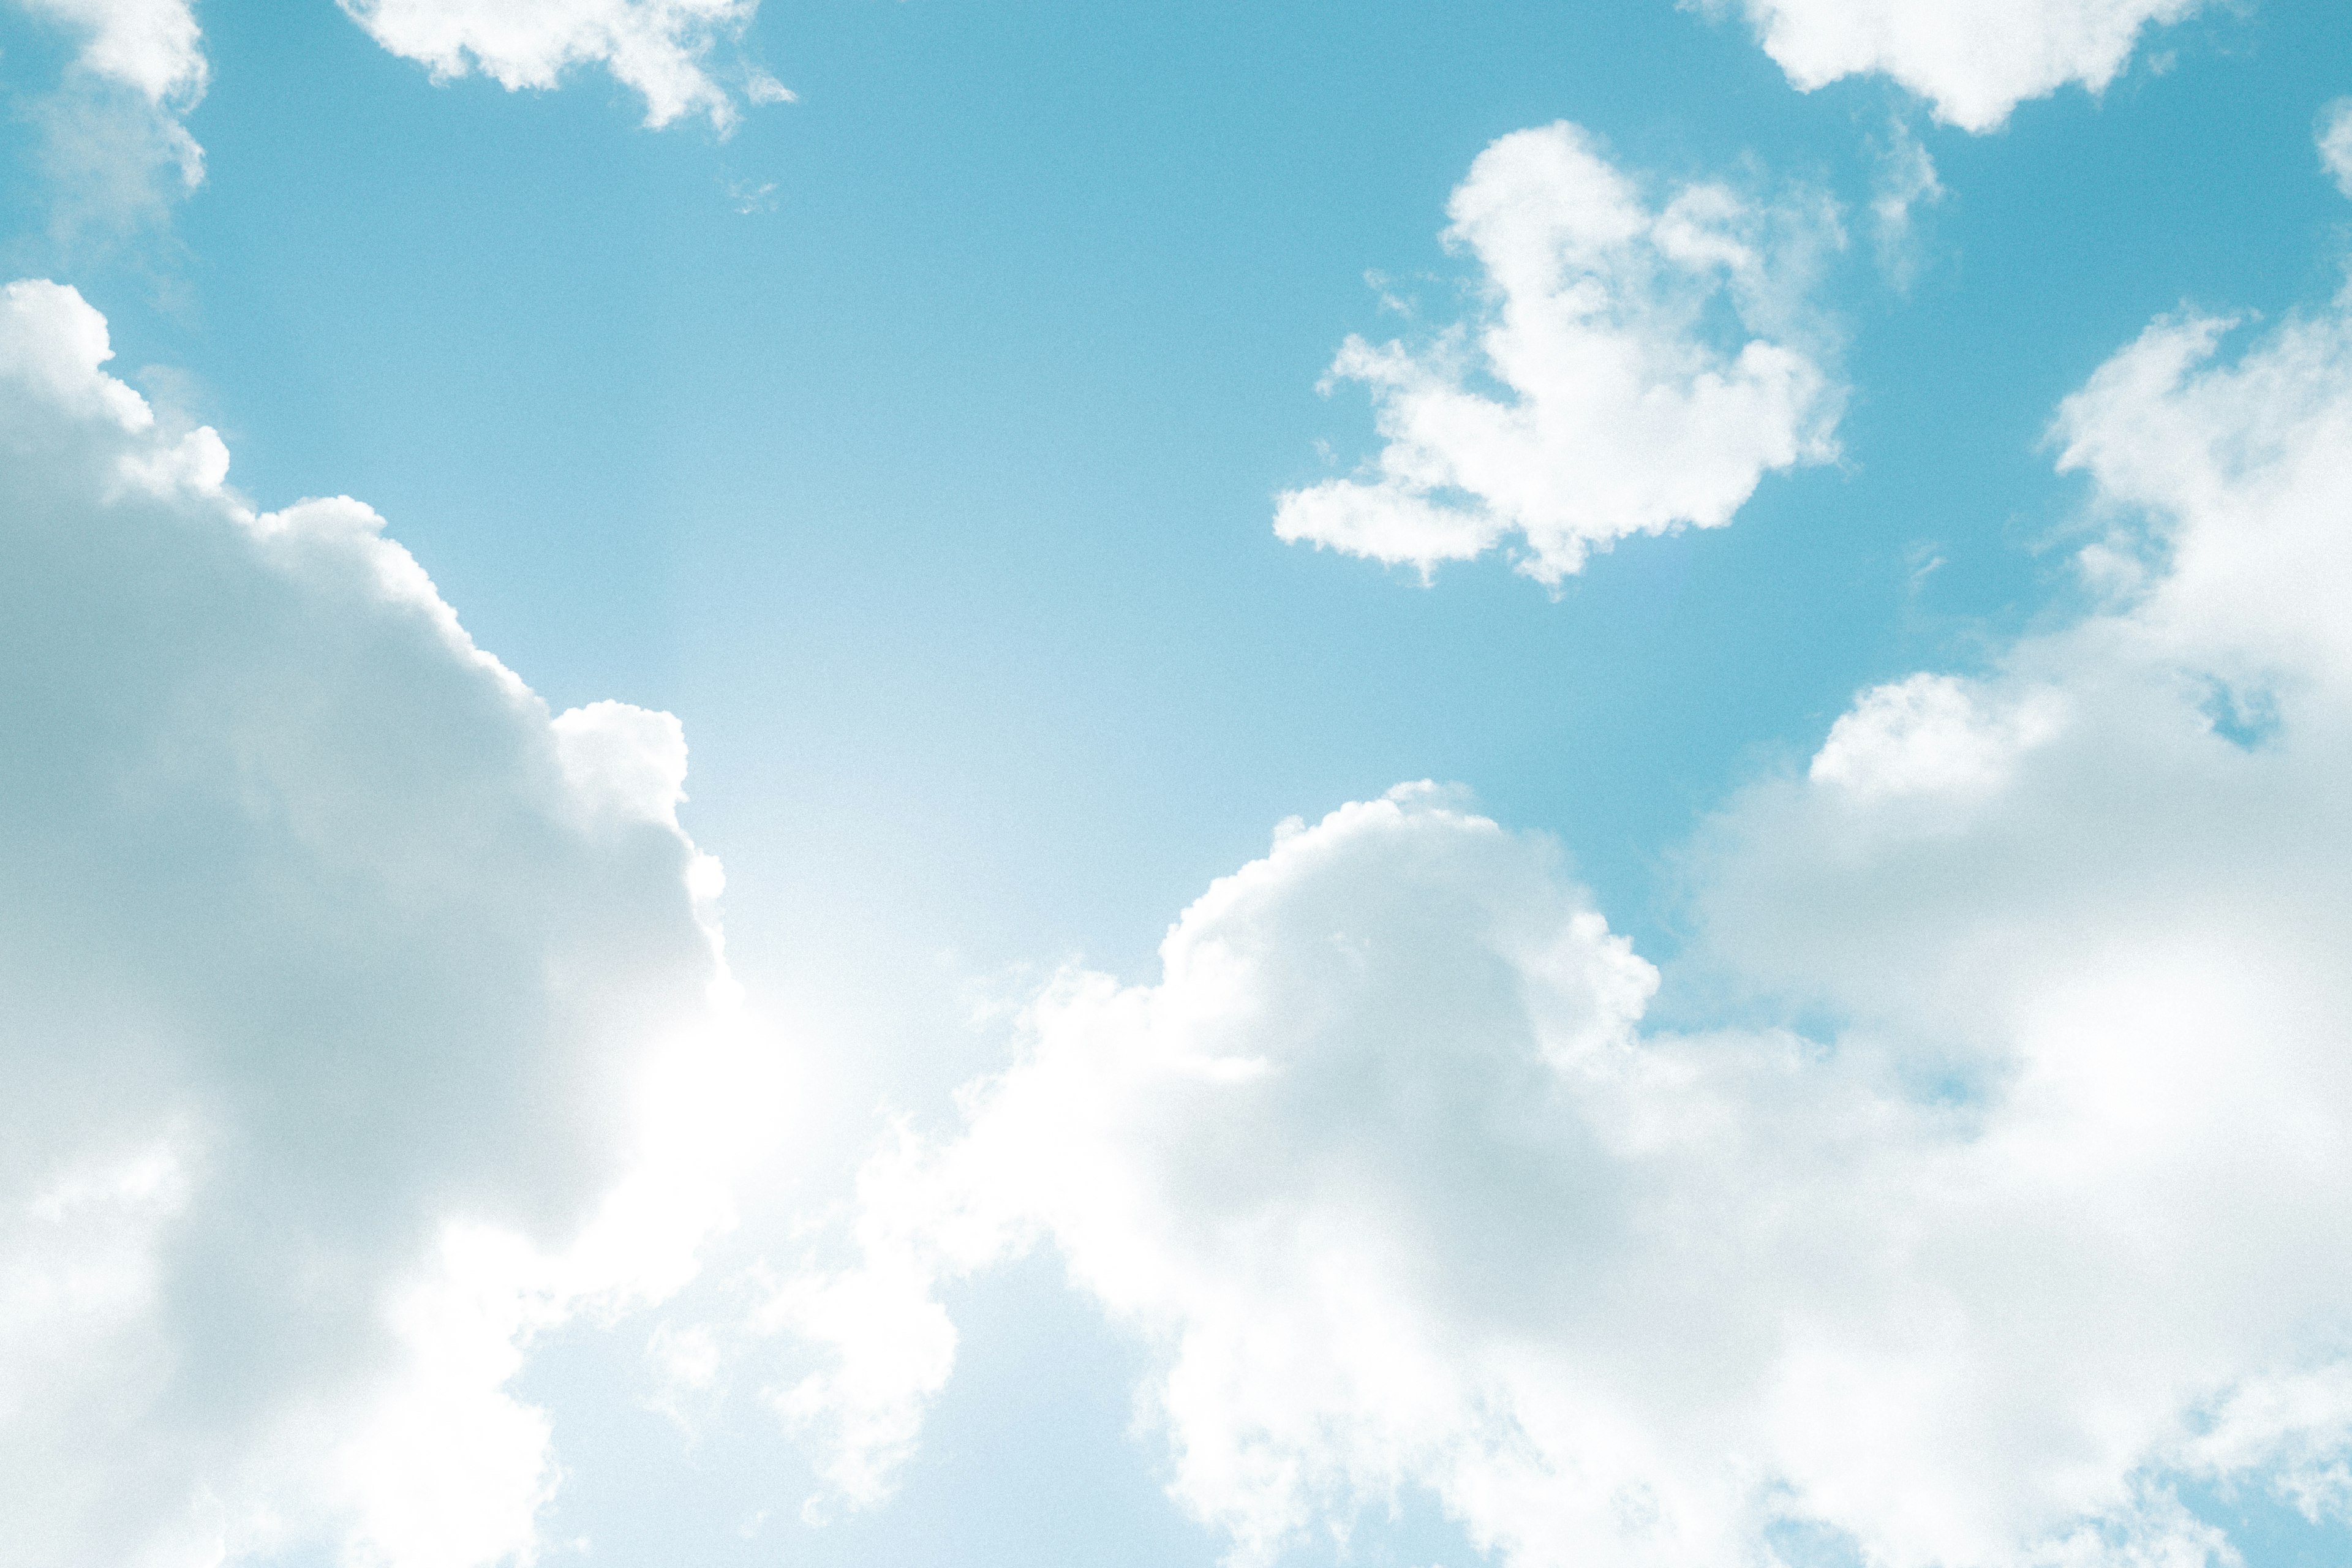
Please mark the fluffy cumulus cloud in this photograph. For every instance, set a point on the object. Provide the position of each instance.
(1973, 60)
(353, 1001)
(1631, 368)
(2041, 1236)
(660, 47)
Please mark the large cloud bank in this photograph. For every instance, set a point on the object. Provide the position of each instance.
(1654, 363)
(2046, 1233)
(344, 987)
(1973, 60)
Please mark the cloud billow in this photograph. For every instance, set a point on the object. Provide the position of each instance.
(1390, 1175)
(659, 47)
(1631, 370)
(1973, 60)
(339, 973)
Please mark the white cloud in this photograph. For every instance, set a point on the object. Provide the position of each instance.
(1973, 60)
(356, 1007)
(1651, 360)
(660, 47)
(1929, 736)
(117, 150)
(1388, 1178)
(152, 45)
(113, 136)
(2336, 142)
(1906, 181)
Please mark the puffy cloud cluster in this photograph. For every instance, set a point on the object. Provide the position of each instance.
(1652, 364)
(354, 1006)
(1973, 60)
(2097, 894)
(660, 47)
(2046, 1230)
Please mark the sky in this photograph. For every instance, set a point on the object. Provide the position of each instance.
(1426, 784)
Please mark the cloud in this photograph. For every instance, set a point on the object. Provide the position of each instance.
(357, 1007)
(1906, 181)
(1399, 1187)
(116, 150)
(660, 47)
(151, 46)
(112, 138)
(2092, 892)
(1973, 60)
(1651, 366)
(2336, 142)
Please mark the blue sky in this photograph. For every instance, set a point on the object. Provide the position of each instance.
(917, 444)
(983, 420)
